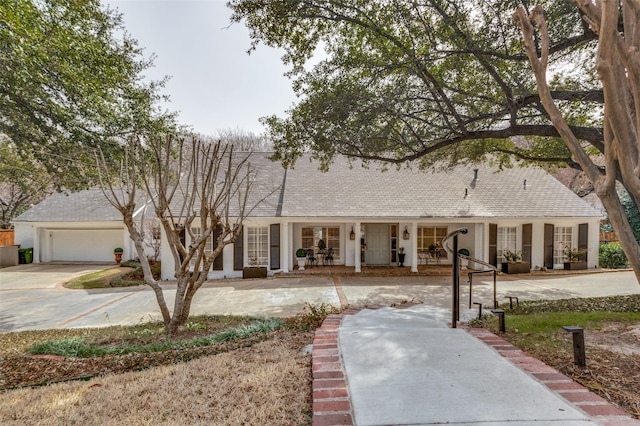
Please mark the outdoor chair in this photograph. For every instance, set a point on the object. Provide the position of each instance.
(311, 258)
(328, 259)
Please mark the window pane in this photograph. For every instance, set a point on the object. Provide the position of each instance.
(258, 245)
(432, 236)
(561, 240)
(331, 236)
(506, 241)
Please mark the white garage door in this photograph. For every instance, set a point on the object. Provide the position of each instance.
(85, 245)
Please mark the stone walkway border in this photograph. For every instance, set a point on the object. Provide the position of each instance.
(332, 404)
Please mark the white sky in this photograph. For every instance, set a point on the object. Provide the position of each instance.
(215, 84)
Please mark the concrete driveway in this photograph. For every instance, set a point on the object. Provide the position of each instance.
(31, 296)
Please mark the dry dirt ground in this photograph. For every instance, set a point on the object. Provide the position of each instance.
(260, 381)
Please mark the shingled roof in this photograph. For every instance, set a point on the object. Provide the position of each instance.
(353, 191)
(83, 206)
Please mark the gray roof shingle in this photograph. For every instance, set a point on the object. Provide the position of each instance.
(353, 191)
(83, 206)
(346, 191)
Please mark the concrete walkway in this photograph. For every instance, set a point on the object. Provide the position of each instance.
(407, 367)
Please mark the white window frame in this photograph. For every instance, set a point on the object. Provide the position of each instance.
(562, 237)
(322, 232)
(507, 240)
(258, 245)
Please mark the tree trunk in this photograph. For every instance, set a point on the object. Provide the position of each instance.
(604, 184)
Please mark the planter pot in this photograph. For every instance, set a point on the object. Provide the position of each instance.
(516, 268)
(301, 262)
(254, 272)
(575, 266)
(118, 257)
(401, 258)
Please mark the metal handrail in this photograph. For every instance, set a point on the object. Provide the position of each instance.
(456, 273)
(470, 275)
(455, 311)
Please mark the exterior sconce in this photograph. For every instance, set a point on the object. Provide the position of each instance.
(405, 234)
(352, 235)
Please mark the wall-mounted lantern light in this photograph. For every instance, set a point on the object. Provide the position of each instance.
(352, 235)
(405, 234)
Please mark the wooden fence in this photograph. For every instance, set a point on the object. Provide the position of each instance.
(6, 237)
(608, 237)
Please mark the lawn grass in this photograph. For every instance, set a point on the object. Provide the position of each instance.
(98, 279)
(610, 326)
(249, 371)
(544, 330)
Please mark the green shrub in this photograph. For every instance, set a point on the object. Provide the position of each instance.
(75, 347)
(79, 347)
(311, 317)
(612, 256)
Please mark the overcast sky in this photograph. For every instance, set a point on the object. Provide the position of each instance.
(214, 83)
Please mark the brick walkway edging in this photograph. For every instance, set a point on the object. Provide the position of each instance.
(332, 403)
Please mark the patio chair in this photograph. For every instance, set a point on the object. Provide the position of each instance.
(328, 259)
(311, 258)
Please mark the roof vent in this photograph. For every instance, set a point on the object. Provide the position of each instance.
(475, 174)
(524, 184)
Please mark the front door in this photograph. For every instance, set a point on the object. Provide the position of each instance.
(377, 244)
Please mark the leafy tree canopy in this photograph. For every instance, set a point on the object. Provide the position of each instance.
(424, 80)
(23, 182)
(70, 81)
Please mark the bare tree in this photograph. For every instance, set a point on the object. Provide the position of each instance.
(197, 190)
(244, 140)
(617, 23)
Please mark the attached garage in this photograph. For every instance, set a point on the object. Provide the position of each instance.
(84, 245)
(74, 227)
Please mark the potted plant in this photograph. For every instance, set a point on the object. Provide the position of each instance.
(465, 252)
(117, 252)
(575, 258)
(401, 255)
(301, 257)
(254, 270)
(514, 263)
(321, 246)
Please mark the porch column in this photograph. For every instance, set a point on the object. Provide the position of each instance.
(358, 260)
(414, 246)
(285, 251)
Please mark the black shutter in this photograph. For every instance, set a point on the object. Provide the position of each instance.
(218, 263)
(583, 239)
(493, 244)
(527, 236)
(274, 246)
(548, 245)
(238, 253)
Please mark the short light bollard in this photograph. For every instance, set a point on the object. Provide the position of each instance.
(579, 356)
(500, 314)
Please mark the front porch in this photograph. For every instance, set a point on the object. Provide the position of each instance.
(378, 271)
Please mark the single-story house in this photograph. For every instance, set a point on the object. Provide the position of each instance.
(365, 215)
